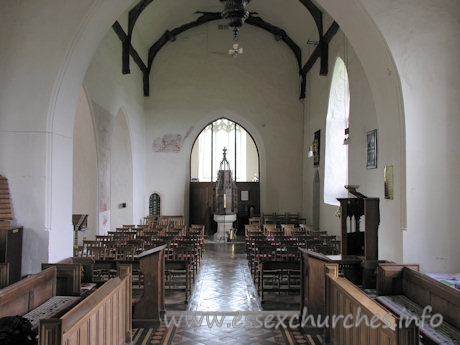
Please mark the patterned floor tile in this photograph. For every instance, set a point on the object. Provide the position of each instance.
(224, 289)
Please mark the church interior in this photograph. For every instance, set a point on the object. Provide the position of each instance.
(307, 163)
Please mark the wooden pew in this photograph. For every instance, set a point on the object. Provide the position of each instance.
(344, 298)
(10, 238)
(402, 287)
(27, 294)
(151, 263)
(152, 304)
(103, 317)
(4, 274)
(11, 252)
(313, 279)
(68, 278)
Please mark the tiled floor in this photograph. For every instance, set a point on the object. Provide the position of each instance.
(225, 308)
(224, 282)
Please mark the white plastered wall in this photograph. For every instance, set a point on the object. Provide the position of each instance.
(113, 93)
(84, 194)
(423, 36)
(121, 172)
(46, 49)
(362, 119)
(194, 82)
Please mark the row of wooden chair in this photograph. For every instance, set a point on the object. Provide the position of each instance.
(274, 257)
(183, 252)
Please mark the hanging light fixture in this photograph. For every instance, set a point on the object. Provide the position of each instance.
(235, 50)
(235, 13)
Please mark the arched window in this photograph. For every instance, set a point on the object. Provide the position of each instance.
(154, 204)
(336, 157)
(241, 152)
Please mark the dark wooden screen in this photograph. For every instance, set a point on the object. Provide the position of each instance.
(202, 201)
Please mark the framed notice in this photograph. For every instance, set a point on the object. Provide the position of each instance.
(371, 161)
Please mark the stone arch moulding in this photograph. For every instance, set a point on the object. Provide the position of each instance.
(357, 24)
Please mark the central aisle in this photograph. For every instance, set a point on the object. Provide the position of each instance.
(224, 290)
(224, 282)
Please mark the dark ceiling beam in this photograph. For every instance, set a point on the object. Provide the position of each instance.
(171, 35)
(280, 34)
(134, 14)
(321, 51)
(133, 53)
(210, 16)
(316, 14)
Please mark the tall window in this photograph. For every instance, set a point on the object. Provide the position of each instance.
(241, 152)
(336, 160)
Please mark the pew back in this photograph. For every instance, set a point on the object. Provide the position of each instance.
(425, 291)
(344, 298)
(27, 294)
(68, 278)
(102, 318)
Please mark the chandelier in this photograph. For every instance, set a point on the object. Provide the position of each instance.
(235, 13)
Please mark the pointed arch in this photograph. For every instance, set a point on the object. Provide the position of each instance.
(242, 152)
(84, 177)
(336, 156)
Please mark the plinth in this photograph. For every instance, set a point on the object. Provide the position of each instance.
(224, 224)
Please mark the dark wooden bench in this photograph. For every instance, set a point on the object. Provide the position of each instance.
(4, 274)
(150, 304)
(71, 280)
(106, 315)
(344, 298)
(313, 279)
(406, 292)
(25, 296)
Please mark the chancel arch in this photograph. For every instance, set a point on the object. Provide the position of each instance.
(99, 19)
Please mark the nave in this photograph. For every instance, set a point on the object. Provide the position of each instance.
(224, 288)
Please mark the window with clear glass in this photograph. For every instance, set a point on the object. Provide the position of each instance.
(336, 156)
(207, 152)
